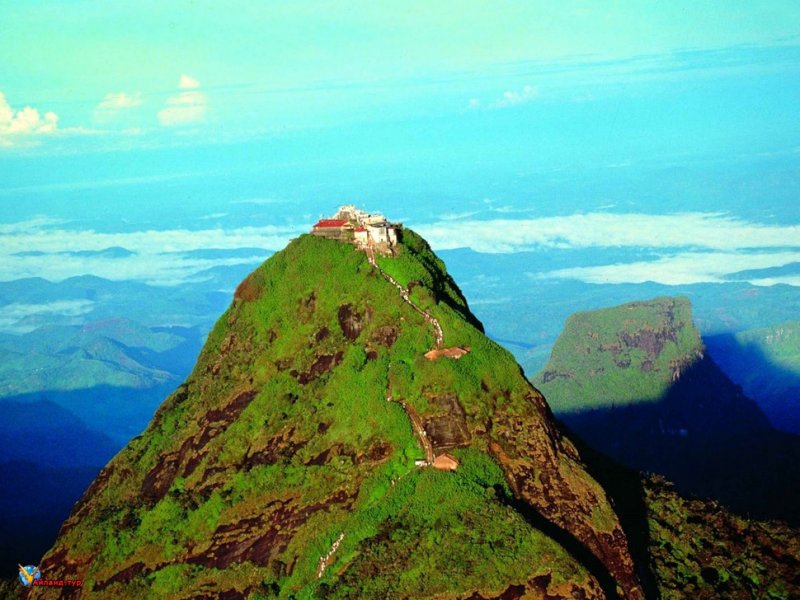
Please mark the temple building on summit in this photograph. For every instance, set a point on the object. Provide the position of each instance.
(366, 230)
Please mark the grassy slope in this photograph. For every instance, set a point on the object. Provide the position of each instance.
(408, 532)
(600, 356)
(781, 344)
(442, 526)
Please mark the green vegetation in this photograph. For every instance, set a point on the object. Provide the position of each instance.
(700, 551)
(444, 533)
(285, 465)
(620, 355)
(75, 357)
(779, 344)
(317, 451)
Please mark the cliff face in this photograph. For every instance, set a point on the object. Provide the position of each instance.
(294, 461)
(635, 382)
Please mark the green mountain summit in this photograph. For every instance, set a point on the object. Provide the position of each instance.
(349, 431)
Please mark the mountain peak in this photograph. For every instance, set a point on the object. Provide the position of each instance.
(299, 457)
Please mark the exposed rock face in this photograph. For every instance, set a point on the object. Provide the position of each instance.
(447, 425)
(454, 353)
(635, 382)
(351, 321)
(576, 505)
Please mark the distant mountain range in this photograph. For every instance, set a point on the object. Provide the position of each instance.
(83, 365)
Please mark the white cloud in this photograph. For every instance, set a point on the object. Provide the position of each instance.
(150, 263)
(681, 269)
(11, 314)
(24, 122)
(188, 83)
(186, 107)
(793, 280)
(696, 230)
(36, 222)
(455, 216)
(117, 107)
(696, 247)
(529, 93)
(120, 100)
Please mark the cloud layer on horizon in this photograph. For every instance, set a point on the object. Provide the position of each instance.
(603, 229)
(13, 316)
(689, 247)
(155, 256)
(683, 269)
(695, 247)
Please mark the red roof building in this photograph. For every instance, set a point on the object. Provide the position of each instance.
(330, 224)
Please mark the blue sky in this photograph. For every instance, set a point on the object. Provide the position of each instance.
(231, 124)
(226, 70)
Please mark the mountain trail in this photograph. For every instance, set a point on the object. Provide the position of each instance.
(416, 422)
(327, 560)
(404, 293)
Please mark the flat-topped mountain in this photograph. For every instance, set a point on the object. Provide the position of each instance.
(636, 383)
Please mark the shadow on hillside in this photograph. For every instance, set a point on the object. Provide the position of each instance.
(566, 540)
(706, 437)
(118, 412)
(775, 389)
(35, 502)
(440, 285)
(625, 488)
(52, 445)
